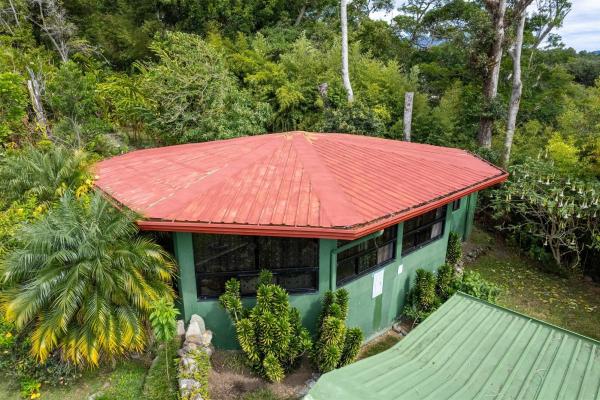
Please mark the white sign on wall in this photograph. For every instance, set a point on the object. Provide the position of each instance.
(377, 283)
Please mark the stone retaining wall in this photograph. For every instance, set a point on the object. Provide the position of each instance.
(193, 378)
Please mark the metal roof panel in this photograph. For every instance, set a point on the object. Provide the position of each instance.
(314, 184)
(470, 349)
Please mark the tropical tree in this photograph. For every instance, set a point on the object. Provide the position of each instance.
(520, 15)
(187, 103)
(83, 282)
(43, 172)
(164, 326)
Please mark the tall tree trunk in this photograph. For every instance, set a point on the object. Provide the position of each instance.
(35, 92)
(496, 9)
(300, 15)
(408, 107)
(345, 68)
(15, 14)
(517, 88)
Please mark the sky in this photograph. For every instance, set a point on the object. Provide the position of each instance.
(581, 29)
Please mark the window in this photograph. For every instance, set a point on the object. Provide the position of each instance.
(366, 256)
(294, 262)
(456, 204)
(423, 229)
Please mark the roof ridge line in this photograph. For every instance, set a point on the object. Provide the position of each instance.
(320, 175)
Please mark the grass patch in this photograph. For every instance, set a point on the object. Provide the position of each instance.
(126, 382)
(379, 345)
(573, 304)
(159, 386)
(123, 383)
(231, 360)
(264, 394)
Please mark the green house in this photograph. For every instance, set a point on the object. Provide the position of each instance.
(320, 210)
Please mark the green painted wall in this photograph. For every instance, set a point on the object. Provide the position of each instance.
(462, 219)
(372, 315)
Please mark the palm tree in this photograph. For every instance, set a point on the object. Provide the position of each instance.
(83, 282)
(45, 173)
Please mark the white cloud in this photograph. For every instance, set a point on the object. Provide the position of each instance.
(580, 30)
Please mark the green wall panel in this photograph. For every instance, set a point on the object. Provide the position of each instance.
(462, 219)
(372, 315)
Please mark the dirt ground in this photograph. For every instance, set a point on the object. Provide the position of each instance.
(231, 379)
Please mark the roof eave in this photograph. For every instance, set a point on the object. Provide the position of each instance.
(341, 233)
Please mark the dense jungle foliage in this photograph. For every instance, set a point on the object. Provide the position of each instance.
(81, 80)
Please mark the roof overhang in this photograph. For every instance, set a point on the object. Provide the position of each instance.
(341, 233)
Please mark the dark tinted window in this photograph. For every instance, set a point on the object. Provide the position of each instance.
(423, 229)
(294, 262)
(456, 204)
(366, 256)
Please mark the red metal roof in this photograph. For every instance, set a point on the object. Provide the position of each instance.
(300, 184)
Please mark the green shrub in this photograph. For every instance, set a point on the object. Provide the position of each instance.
(422, 299)
(454, 250)
(17, 364)
(336, 345)
(474, 284)
(30, 388)
(164, 326)
(430, 290)
(270, 334)
(425, 293)
(446, 282)
(200, 374)
(550, 214)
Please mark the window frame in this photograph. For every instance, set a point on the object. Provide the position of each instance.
(423, 227)
(456, 204)
(357, 274)
(255, 273)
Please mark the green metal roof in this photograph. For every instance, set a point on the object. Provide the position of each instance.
(471, 349)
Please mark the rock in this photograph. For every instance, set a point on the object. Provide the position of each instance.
(398, 328)
(308, 385)
(181, 353)
(194, 333)
(209, 350)
(189, 346)
(180, 328)
(207, 338)
(95, 396)
(200, 321)
(188, 385)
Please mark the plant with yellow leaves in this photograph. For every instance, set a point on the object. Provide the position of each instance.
(84, 282)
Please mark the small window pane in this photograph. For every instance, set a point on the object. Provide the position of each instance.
(423, 229)
(436, 229)
(298, 281)
(456, 204)
(345, 270)
(364, 257)
(385, 253)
